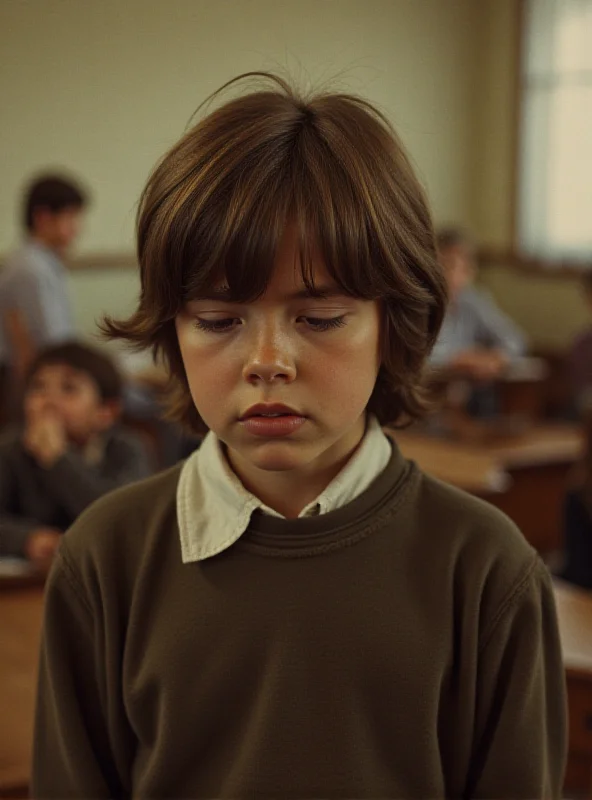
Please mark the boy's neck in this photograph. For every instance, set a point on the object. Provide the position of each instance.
(289, 491)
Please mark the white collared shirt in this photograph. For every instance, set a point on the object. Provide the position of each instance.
(214, 508)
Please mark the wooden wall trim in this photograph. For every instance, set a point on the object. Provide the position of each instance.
(125, 260)
(509, 257)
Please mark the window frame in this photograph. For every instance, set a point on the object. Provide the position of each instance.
(513, 255)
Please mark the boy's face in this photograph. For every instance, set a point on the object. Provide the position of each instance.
(72, 396)
(459, 264)
(58, 230)
(317, 357)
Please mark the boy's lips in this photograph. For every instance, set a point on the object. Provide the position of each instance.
(272, 420)
(270, 410)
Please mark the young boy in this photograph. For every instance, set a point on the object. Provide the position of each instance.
(296, 611)
(68, 454)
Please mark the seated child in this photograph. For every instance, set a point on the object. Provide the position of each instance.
(296, 611)
(476, 339)
(69, 452)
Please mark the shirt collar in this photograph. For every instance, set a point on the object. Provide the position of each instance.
(214, 508)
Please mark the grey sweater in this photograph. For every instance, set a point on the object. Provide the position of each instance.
(33, 497)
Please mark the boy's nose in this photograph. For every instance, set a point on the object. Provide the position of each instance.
(270, 359)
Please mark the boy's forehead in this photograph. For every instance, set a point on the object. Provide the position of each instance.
(60, 371)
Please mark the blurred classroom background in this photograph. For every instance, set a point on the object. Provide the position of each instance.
(493, 99)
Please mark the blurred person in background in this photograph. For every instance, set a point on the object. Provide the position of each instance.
(477, 341)
(68, 452)
(36, 310)
(34, 302)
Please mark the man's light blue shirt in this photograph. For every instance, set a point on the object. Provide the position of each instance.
(33, 281)
(473, 320)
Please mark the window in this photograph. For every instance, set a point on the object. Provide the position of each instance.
(555, 147)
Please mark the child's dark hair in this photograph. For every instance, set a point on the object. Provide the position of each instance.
(54, 193)
(94, 363)
(218, 203)
(451, 236)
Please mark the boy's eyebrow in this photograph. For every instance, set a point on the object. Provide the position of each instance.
(321, 292)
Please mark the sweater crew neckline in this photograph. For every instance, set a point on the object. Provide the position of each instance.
(342, 527)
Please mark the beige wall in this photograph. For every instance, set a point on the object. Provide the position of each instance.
(491, 179)
(104, 87)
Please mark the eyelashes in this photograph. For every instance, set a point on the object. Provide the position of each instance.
(318, 324)
(215, 325)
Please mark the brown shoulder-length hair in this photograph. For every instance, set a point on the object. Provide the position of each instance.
(216, 206)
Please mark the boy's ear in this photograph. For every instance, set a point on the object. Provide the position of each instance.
(108, 413)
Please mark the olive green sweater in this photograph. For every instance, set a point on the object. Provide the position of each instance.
(403, 646)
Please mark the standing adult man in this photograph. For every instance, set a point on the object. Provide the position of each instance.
(34, 304)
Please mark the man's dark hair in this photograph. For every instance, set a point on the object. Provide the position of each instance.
(53, 193)
(94, 363)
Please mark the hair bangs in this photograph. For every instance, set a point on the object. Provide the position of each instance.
(235, 240)
(234, 243)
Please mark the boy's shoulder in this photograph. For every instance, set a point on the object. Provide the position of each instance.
(119, 524)
(469, 538)
(460, 516)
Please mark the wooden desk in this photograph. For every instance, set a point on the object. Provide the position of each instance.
(574, 610)
(20, 625)
(538, 463)
(525, 475)
(521, 390)
(462, 466)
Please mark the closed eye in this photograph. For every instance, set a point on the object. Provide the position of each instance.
(318, 324)
(324, 323)
(216, 325)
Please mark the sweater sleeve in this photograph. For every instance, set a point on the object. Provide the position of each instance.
(76, 484)
(520, 733)
(15, 528)
(73, 754)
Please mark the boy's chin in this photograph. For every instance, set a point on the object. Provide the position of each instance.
(277, 456)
